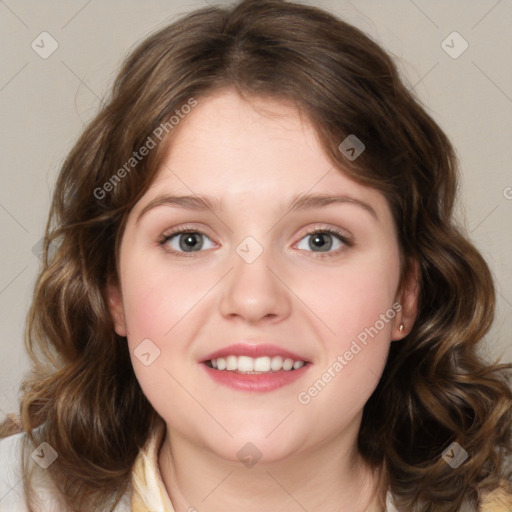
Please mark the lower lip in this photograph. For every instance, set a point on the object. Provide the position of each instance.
(259, 383)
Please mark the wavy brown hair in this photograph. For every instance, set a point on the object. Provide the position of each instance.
(82, 395)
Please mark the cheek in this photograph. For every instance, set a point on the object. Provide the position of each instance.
(157, 296)
(356, 303)
(161, 303)
(355, 296)
(155, 300)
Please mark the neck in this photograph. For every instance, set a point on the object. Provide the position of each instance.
(327, 479)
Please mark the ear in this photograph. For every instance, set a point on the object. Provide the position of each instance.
(408, 298)
(115, 305)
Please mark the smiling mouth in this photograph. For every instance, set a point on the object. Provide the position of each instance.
(254, 365)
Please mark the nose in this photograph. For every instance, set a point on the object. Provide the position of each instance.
(255, 291)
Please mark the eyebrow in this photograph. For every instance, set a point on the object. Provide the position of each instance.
(299, 203)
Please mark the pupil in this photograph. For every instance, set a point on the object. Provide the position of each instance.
(320, 242)
(188, 241)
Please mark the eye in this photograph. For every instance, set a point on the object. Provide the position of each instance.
(325, 240)
(182, 241)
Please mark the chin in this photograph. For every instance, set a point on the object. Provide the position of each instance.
(254, 451)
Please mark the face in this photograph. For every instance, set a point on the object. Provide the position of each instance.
(255, 286)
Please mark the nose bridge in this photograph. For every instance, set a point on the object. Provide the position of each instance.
(253, 290)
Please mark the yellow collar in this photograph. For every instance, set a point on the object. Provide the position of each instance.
(148, 490)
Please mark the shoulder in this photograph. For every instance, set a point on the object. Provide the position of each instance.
(11, 484)
(48, 499)
(13, 450)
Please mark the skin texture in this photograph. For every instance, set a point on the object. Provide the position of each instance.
(256, 157)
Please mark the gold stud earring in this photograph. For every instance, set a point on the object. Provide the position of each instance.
(401, 328)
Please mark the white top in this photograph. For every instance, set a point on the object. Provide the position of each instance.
(11, 484)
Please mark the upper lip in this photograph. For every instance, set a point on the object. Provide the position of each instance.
(254, 350)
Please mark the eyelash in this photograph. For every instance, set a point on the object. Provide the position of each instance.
(185, 230)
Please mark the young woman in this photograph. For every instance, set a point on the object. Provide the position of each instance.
(254, 295)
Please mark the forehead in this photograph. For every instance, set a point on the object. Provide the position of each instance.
(253, 129)
(261, 150)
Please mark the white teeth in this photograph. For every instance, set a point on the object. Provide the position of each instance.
(287, 364)
(231, 363)
(263, 364)
(276, 363)
(245, 364)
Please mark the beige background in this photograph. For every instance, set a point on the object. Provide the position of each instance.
(45, 104)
